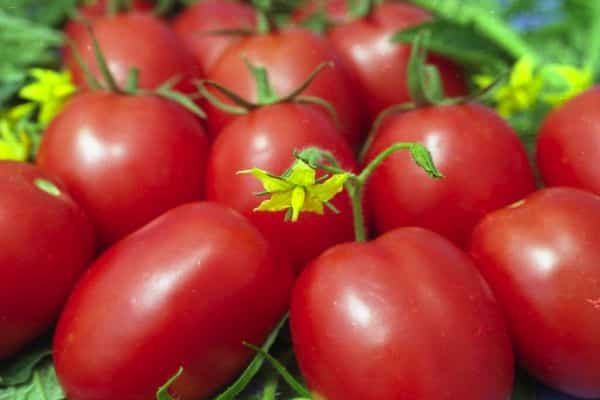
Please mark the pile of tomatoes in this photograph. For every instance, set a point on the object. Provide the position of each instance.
(134, 231)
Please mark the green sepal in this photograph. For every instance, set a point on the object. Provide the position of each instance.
(163, 392)
(18, 371)
(423, 80)
(422, 157)
(265, 94)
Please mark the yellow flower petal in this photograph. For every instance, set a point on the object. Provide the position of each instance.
(277, 202)
(327, 190)
(271, 183)
(522, 72)
(297, 202)
(302, 174)
(312, 204)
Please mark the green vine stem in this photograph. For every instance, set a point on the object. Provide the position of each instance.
(356, 183)
(489, 25)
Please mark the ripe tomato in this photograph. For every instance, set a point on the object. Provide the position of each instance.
(196, 22)
(125, 159)
(568, 145)
(541, 258)
(484, 163)
(266, 139)
(46, 241)
(406, 316)
(379, 66)
(289, 57)
(185, 290)
(336, 10)
(135, 41)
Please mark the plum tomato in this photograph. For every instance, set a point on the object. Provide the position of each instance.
(289, 57)
(406, 316)
(185, 290)
(195, 23)
(46, 242)
(568, 143)
(484, 163)
(266, 139)
(377, 66)
(125, 159)
(135, 41)
(541, 257)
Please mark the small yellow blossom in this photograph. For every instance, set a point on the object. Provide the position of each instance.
(521, 91)
(50, 90)
(565, 82)
(299, 190)
(13, 145)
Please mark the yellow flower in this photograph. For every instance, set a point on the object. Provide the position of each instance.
(13, 145)
(564, 82)
(50, 90)
(298, 190)
(521, 91)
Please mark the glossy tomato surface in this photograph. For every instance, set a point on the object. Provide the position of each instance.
(568, 144)
(125, 159)
(46, 242)
(541, 256)
(266, 139)
(404, 317)
(135, 41)
(377, 66)
(484, 164)
(198, 25)
(185, 290)
(289, 57)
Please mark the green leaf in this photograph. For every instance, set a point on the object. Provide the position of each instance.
(163, 392)
(19, 369)
(423, 158)
(460, 43)
(253, 368)
(41, 385)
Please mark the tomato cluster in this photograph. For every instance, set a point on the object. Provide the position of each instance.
(135, 233)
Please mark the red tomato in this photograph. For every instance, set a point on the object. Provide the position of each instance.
(46, 241)
(406, 316)
(196, 22)
(185, 290)
(289, 57)
(568, 144)
(484, 163)
(541, 257)
(135, 41)
(266, 139)
(336, 10)
(377, 65)
(125, 159)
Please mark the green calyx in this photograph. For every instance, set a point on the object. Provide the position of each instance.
(109, 83)
(265, 93)
(47, 186)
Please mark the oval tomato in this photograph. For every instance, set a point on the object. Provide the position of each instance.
(406, 316)
(379, 67)
(125, 159)
(266, 139)
(46, 242)
(289, 57)
(195, 23)
(135, 41)
(541, 257)
(568, 144)
(171, 295)
(484, 163)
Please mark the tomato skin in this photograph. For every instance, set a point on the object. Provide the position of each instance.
(484, 163)
(568, 143)
(46, 242)
(135, 41)
(125, 159)
(167, 296)
(378, 66)
(194, 24)
(406, 316)
(541, 258)
(290, 57)
(266, 139)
